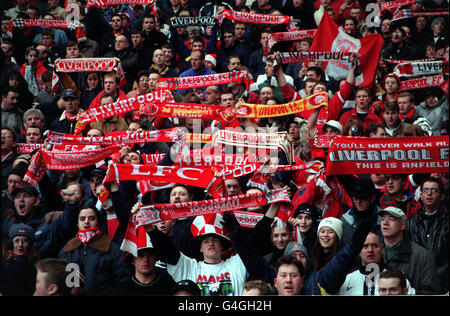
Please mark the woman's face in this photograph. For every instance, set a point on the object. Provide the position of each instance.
(280, 237)
(92, 81)
(32, 57)
(327, 237)
(13, 82)
(306, 222)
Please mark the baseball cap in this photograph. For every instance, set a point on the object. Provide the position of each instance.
(305, 208)
(294, 247)
(69, 94)
(394, 211)
(363, 188)
(334, 124)
(25, 187)
(188, 286)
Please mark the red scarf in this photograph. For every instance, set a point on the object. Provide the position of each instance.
(86, 235)
(70, 117)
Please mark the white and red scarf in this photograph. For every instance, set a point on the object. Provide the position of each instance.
(421, 68)
(100, 3)
(254, 17)
(408, 13)
(296, 57)
(150, 214)
(182, 110)
(425, 82)
(179, 83)
(86, 64)
(182, 21)
(289, 36)
(86, 235)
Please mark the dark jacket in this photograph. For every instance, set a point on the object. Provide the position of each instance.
(130, 65)
(409, 206)
(63, 125)
(225, 52)
(416, 262)
(100, 262)
(431, 232)
(351, 219)
(406, 52)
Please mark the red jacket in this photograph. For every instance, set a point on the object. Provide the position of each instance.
(40, 69)
(371, 118)
(335, 104)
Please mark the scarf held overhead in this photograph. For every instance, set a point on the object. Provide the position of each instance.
(181, 83)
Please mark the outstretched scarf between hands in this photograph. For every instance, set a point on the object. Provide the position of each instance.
(425, 82)
(100, 3)
(182, 110)
(181, 83)
(181, 21)
(296, 57)
(408, 13)
(118, 108)
(86, 64)
(421, 68)
(248, 110)
(165, 135)
(254, 17)
(289, 36)
(151, 214)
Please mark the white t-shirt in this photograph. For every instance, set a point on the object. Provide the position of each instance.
(225, 278)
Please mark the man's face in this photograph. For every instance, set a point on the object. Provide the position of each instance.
(356, 13)
(288, 280)
(301, 257)
(33, 119)
(391, 226)
(228, 39)
(394, 183)
(385, 25)
(430, 195)
(212, 95)
(53, 3)
(319, 88)
(168, 54)
(14, 181)
(5, 25)
(294, 131)
(235, 63)
(266, 94)
(397, 37)
(268, 68)
(232, 186)
(408, 33)
(372, 250)
(227, 99)
(311, 74)
(405, 105)
(239, 30)
(264, 39)
(390, 286)
(148, 25)
(10, 101)
(198, 45)
(165, 226)
(137, 40)
(25, 203)
(179, 194)
(110, 85)
(71, 105)
(153, 81)
(116, 23)
(46, 40)
(303, 46)
(391, 85)
(41, 288)
(363, 203)
(33, 136)
(43, 52)
(132, 158)
(32, 13)
(121, 43)
(211, 247)
(158, 57)
(308, 87)
(362, 100)
(94, 182)
(73, 52)
(145, 262)
(196, 60)
(87, 219)
(8, 141)
(391, 118)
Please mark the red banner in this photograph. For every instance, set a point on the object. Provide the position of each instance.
(388, 155)
(182, 110)
(86, 64)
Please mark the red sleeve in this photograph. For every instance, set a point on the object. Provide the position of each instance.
(290, 94)
(96, 102)
(338, 101)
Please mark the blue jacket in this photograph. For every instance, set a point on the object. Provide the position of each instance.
(192, 73)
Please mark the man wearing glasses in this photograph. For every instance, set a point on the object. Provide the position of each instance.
(429, 227)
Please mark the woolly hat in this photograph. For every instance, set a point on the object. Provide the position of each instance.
(399, 82)
(21, 230)
(206, 225)
(20, 169)
(332, 222)
(439, 18)
(211, 58)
